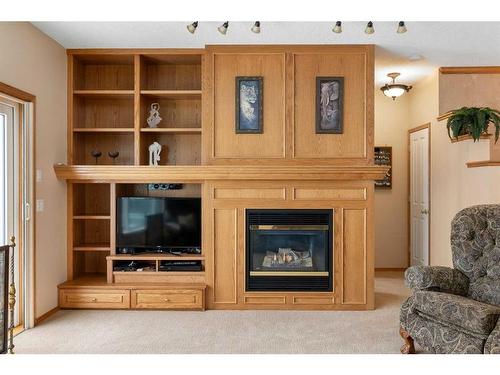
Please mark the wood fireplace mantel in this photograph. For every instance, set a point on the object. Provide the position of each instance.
(216, 172)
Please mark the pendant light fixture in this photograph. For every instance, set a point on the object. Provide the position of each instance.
(393, 89)
(369, 28)
(256, 27)
(192, 27)
(337, 29)
(401, 28)
(223, 28)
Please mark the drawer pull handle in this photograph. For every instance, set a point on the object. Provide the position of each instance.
(166, 300)
(94, 299)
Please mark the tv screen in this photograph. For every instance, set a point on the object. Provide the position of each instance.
(151, 222)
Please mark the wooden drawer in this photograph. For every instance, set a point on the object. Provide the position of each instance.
(94, 299)
(168, 299)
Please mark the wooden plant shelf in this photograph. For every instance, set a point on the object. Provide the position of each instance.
(468, 137)
(483, 163)
(173, 94)
(200, 173)
(91, 217)
(103, 130)
(171, 130)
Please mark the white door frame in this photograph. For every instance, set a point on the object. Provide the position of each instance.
(26, 220)
(410, 132)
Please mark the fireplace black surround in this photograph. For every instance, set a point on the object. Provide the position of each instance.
(289, 250)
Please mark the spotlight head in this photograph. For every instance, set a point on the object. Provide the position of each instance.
(256, 27)
(401, 27)
(369, 28)
(223, 28)
(192, 27)
(337, 29)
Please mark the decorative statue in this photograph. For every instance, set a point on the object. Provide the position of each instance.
(154, 153)
(154, 115)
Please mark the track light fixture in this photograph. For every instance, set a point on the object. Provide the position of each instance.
(369, 28)
(337, 29)
(401, 27)
(256, 27)
(192, 27)
(223, 28)
(393, 89)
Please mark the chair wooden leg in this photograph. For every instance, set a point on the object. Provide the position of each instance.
(408, 347)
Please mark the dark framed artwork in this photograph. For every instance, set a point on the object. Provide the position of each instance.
(4, 295)
(329, 105)
(383, 156)
(249, 109)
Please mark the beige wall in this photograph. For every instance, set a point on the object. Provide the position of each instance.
(454, 186)
(33, 62)
(391, 233)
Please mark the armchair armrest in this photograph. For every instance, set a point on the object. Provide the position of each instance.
(442, 279)
(492, 345)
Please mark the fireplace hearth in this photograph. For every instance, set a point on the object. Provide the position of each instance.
(289, 250)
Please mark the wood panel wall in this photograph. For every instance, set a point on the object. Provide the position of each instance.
(289, 75)
(225, 203)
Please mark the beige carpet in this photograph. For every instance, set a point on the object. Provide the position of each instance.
(225, 331)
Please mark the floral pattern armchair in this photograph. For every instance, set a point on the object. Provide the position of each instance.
(456, 310)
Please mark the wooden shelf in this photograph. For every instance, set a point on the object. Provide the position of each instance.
(154, 273)
(468, 137)
(91, 217)
(173, 94)
(91, 248)
(104, 93)
(156, 257)
(171, 130)
(103, 130)
(483, 163)
(200, 173)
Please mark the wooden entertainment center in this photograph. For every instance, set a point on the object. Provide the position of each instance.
(287, 166)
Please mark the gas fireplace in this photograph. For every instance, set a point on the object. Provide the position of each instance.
(289, 250)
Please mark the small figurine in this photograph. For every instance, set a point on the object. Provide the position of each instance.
(154, 115)
(154, 153)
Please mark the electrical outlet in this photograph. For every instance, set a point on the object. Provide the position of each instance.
(40, 205)
(38, 175)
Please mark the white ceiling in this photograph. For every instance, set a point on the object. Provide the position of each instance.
(415, 54)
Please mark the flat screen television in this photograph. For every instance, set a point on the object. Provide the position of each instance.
(157, 223)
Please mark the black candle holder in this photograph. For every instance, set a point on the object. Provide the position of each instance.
(113, 155)
(96, 154)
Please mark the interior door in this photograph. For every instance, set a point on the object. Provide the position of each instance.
(419, 197)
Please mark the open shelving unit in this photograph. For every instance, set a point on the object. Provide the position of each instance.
(110, 95)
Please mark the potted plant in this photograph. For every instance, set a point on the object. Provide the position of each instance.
(474, 121)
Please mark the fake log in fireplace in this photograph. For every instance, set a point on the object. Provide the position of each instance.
(289, 250)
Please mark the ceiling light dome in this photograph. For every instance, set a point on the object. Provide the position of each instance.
(393, 89)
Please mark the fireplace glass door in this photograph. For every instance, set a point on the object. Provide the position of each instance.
(289, 249)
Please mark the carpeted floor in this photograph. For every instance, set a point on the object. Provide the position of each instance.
(141, 332)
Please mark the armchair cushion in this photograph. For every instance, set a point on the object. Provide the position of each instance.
(443, 279)
(492, 345)
(461, 313)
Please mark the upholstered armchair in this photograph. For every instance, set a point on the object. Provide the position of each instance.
(456, 310)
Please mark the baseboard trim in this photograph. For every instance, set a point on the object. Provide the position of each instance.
(390, 269)
(45, 316)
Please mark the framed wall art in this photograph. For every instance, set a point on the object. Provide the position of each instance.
(329, 103)
(249, 105)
